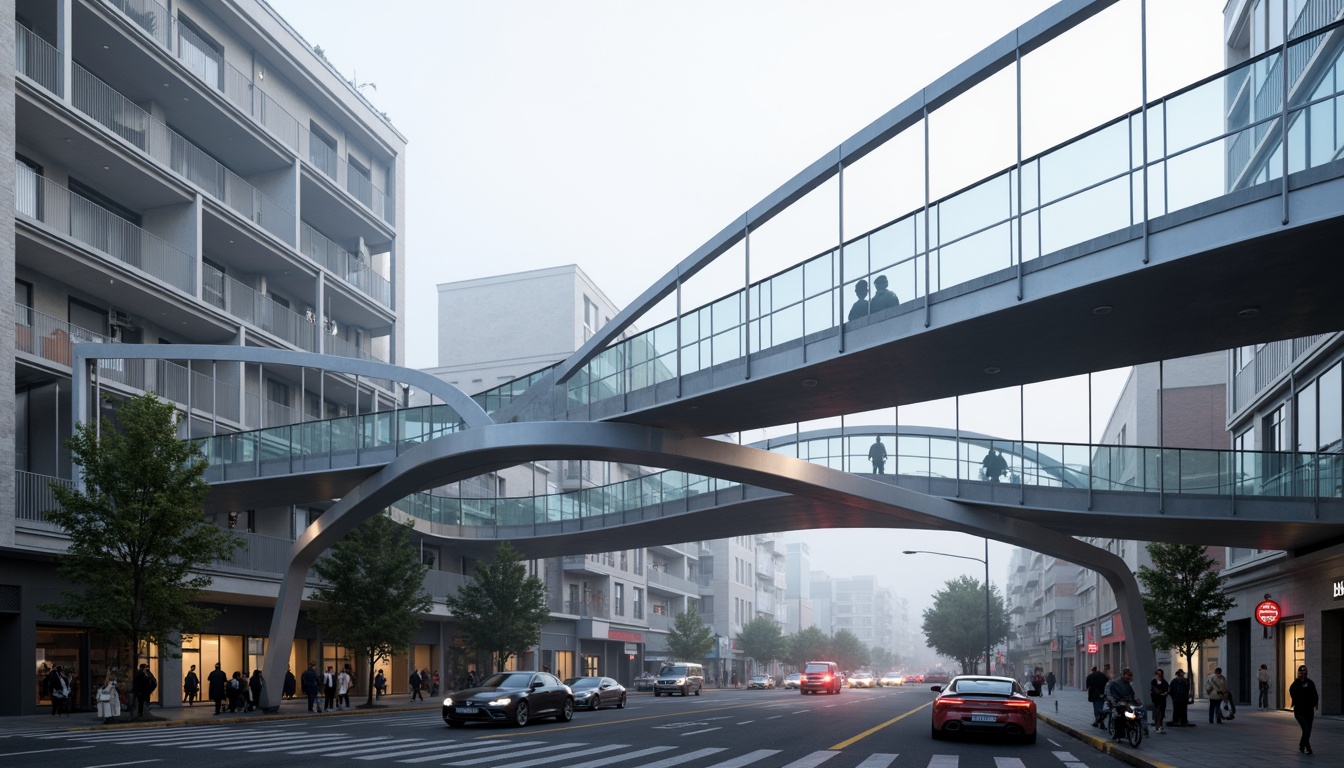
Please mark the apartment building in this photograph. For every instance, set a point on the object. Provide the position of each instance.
(193, 174)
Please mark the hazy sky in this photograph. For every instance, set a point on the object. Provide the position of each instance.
(622, 135)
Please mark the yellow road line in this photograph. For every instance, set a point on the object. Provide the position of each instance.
(877, 728)
(687, 715)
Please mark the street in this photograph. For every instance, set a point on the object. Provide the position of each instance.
(865, 728)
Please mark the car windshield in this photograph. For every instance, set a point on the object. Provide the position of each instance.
(759, 677)
(671, 670)
(984, 687)
(508, 680)
(583, 683)
(817, 668)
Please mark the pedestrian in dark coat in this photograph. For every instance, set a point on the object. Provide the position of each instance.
(1179, 693)
(1305, 699)
(218, 682)
(290, 684)
(1158, 692)
(312, 686)
(255, 684)
(1096, 693)
(414, 683)
(191, 686)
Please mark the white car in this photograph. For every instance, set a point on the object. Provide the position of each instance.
(890, 679)
(861, 680)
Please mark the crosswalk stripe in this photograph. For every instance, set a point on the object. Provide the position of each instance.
(122, 735)
(814, 759)
(619, 758)
(679, 759)
(380, 745)
(408, 750)
(495, 747)
(549, 760)
(943, 761)
(325, 746)
(1065, 757)
(1009, 762)
(878, 760)
(747, 759)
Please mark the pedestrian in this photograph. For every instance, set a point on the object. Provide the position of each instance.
(993, 466)
(414, 682)
(434, 683)
(1050, 681)
(734, 678)
(1264, 686)
(343, 688)
(1215, 688)
(290, 684)
(311, 685)
(142, 687)
(472, 679)
(218, 682)
(1037, 680)
(1158, 691)
(329, 688)
(109, 698)
(883, 298)
(1305, 699)
(191, 685)
(58, 689)
(235, 691)
(255, 686)
(860, 306)
(1096, 693)
(877, 454)
(379, 683)
(1179, 693)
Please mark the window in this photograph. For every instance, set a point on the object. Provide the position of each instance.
(620, 599)
(1331, 409)
(638, 605)
(590, 314)
(28, 187)
(1275, 426)
(23, 298)
(203, 56)
(1306, 418)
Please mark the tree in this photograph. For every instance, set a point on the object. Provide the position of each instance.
(809, 644)
(882, 660)
(955, 625)
(375, 594)
(1183, 598)
(689, 639)
(761, 640)
(138, 533)
(848, 651)
(502, 609)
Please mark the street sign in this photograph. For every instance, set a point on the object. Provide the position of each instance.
(1267, 613)
(1091, 647)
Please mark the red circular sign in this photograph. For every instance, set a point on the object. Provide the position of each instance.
(1091, 647)
(1267, 613)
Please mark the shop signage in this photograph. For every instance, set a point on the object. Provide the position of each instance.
(1091, 647)
(1107, 627)
(620, 634)
(631, 649)
(1339, 589)
(1267, 613)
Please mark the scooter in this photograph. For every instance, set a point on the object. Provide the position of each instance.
(1126, 722)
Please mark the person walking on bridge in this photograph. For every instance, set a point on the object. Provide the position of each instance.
(877, 453)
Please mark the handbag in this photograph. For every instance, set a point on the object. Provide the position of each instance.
(104, 696)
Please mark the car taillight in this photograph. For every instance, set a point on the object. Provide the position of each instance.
(945, 702)
(1022, 704)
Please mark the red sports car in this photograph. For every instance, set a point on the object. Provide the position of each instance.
(984, 704)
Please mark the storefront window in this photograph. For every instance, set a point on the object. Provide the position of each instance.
(1293, 651)
(57, 647)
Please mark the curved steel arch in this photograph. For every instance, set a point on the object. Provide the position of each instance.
(470, 411)
(466, 454)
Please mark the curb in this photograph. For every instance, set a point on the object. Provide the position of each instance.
(1114, 749)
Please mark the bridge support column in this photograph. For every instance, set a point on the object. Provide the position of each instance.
(284, 620)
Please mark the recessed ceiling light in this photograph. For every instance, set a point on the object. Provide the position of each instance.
(1104, 309)
(809, 383)
(991, 370)
(107, 167)
(104, 47)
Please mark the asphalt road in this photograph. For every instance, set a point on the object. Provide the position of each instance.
(720, 729)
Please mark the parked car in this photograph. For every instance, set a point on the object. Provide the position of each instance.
(764, 682)
(891, 679)
(644, 682)
(793, 680)
(681, 676)
(821, 677)
(596, 692)
(984, 704)
(861, 680)
(510, 697)
(937, 677)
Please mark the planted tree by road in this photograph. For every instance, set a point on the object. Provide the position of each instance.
(955, 625)
(1183, 598)
(689, 639)
(138, 533)
(848, 650)
(502, 609)
(808, 644)
(375, 595)
(761, 640)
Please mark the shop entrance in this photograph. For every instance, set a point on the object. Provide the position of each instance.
(1293, 652)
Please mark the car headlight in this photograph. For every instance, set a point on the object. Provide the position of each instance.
(1129, 713)
(681, 681)
(448, 702)
(500, 702)
(583, 694)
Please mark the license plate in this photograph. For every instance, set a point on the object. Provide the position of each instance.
(984, 718)
(465, 710)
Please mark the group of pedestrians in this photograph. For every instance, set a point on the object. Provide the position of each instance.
(1103, 690)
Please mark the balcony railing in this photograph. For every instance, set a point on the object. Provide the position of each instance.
(169, 148)
(100, 229)
(259, 310)
(46, 337)
(38, 60)
(352, 179)
(32, 495)
(663, 579)
(150, 16)
(345, 265)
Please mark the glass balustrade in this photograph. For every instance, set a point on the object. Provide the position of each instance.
(1091, 186)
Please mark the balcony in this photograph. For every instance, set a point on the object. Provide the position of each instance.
(669, 583)
(257, 309)
(1033, 578)
(595, 608)
(353, 180)
(65, 212)
(33, 496)
(660, 621)
(345, 265)
(38, 60)
(601, 565)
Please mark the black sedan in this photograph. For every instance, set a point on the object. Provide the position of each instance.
(510, 697)
(596, 692)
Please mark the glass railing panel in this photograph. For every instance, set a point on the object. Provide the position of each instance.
(975, 256)
(1090, 160)
(819, 313)
(1192, 177)
(1086, 215)
(971, 210)
(39, 60)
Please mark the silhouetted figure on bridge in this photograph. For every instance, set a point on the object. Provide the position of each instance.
(877, 453)
(994, 466)
(860, 308)
(883, 298)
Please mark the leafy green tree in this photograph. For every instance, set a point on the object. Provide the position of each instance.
(808, 644)
(138, 533)
(955, 625)
(375, 594)
(689, 639)
(502, 609)
(761, 640)
(1183, 598)
(848, 651)
(882, 660)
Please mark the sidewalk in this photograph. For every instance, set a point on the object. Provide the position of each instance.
(205, 713)
(1253, 738)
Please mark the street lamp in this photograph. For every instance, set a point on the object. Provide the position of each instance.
(988, 642)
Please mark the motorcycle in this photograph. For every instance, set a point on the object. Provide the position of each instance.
(1126, 722)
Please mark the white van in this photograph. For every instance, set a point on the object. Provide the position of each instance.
(681, 676)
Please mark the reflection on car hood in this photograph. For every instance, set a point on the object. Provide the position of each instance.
(492, 692)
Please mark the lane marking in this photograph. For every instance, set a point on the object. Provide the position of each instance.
(41, 751)
(876, 728)
(702, 730)
(133, 762)
(547, 760)
(679, 759)
(1009, 762)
